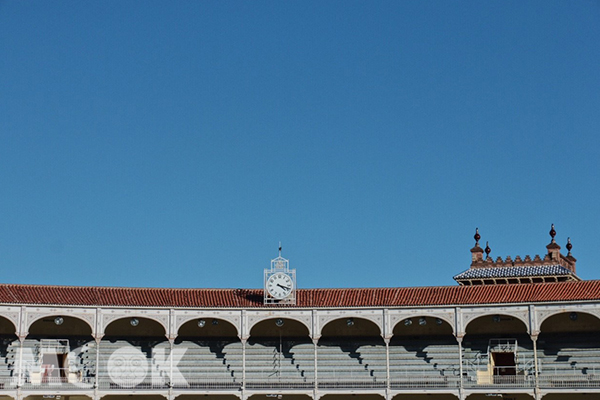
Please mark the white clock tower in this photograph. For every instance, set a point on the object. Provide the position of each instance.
(280, 282)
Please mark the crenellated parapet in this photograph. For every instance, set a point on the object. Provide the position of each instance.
(552, 267)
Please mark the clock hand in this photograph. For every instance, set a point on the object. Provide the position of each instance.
(284, 287)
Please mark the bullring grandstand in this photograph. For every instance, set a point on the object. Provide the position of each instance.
(523, 328)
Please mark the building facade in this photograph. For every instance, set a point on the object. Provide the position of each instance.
(513, 329)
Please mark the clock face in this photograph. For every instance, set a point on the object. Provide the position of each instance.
(280, 285)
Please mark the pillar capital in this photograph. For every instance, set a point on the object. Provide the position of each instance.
(98, 337)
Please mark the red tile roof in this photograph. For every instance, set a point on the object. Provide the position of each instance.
(311, 298)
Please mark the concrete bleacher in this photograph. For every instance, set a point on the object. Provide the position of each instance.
(427, 357)
(129, 364)
(359, 363)
(569, 354)
(76, 370)
(206, 363)
(8, 352)
(279, 364)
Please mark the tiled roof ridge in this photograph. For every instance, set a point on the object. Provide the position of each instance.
(340, 297)
(54, 286)
(112, 287)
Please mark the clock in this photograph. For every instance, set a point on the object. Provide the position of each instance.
(280, 285)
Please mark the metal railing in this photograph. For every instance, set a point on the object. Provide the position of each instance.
(569, 381)
(56, 346)
(502, 346)
(512, 381)
(349, 379)
(63, 379)
(424, 382)
(121, 384)
(206, 383)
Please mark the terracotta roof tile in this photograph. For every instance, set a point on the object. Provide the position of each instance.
(244, 298)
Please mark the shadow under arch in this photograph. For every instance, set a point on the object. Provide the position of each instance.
(208, 397)
(515, 396)
(364, 396)
(421, 325)
(7, 327)
(59, 326)
(279, 327)
(133, 326)
(207, 328)
(428, 396)
(572, 396)
(570, 321)
(71, 397)
(351, 327)
(496, 324)
(136, 397)
(283, 396)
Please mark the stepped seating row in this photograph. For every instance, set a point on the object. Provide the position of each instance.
(425, 357)
(568, 355)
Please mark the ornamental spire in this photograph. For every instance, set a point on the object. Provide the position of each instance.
(476, 252)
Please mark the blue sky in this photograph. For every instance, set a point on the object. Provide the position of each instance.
(176, 143)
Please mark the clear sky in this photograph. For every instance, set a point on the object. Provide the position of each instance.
(176, 143)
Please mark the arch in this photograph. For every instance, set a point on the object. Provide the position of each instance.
(499, 322)
(372, 317)
(207, 327)
(272, 318)
(147, 327)
(357, 396)
(7, 327)
(423, 325)
(225, 318)
(349, 326)
(73, 396)
(210, 397)
(72, 325)
(428, 396)
(572, 396)
(158, 396)
(284, 396)
(565, 315)
(290, 327)
(515, 396)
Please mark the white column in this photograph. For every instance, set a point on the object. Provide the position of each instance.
(98, 339)
(172, 345)
(244, 363)
(21, 369)
(535, 363)
(315, 374)
(387, 362)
